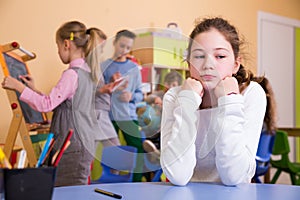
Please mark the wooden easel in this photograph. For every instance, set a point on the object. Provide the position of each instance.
(18, 123)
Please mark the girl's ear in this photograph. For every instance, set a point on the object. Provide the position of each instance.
(236, 65)
(67, 44)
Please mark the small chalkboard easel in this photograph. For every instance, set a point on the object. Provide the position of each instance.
(14, 65)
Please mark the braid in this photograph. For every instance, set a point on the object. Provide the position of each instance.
(243, 77)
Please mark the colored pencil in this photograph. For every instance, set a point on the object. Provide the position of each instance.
(45, 149)
(22, 159)
(61, 152)
(49, 150)
(63, 148)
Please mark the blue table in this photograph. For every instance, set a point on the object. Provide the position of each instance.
(193, 191)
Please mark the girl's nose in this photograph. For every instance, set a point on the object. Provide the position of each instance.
(209, 62)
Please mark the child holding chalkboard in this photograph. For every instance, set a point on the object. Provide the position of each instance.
(72, 101)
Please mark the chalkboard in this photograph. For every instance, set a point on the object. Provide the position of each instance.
(17, 68)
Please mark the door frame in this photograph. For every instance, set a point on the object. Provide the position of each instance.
(272, 18)
(264, 16)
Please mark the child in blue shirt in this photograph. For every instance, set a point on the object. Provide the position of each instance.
(124, 99)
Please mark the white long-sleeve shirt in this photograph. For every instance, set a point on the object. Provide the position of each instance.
(211, 145)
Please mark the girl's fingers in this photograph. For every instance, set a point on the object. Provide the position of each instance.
(228, 85)
(192, 84)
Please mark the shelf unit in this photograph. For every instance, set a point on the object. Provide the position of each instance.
(159, 55)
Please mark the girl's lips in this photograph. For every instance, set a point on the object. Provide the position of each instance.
(207, 77)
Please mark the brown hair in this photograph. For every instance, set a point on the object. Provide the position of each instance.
(271, 111)
(125, 33)
(95, 34)
(231, 35)
(82, 38)
(172, 77)
(94, 48)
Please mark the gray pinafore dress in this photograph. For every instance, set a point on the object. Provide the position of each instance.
(78, 114)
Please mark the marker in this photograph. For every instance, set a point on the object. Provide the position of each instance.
(45, 149)
(22, 158)
(117, 196)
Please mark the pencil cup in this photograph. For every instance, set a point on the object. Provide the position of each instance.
(28, 183)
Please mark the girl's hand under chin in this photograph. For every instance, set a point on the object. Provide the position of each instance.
(227, 86)
(193, 84)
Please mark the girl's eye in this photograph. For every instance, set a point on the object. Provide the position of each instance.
(220, 57)
(199, 56)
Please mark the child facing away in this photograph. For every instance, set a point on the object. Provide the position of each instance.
(211, 124)
(123, 100)
(72, 101)
(107, 135)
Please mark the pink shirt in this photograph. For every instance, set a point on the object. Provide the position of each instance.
(64, 89)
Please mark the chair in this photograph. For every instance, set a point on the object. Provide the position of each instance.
(263, 155)
(153, 167)
(150, 165)
(282, 147)
(118, 163)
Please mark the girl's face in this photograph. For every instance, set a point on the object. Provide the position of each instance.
(63, 51)
(122, 47)
(212, 59)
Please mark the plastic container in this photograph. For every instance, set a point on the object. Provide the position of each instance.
(27, 183)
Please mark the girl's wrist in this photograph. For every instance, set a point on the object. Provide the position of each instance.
(20, 87)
